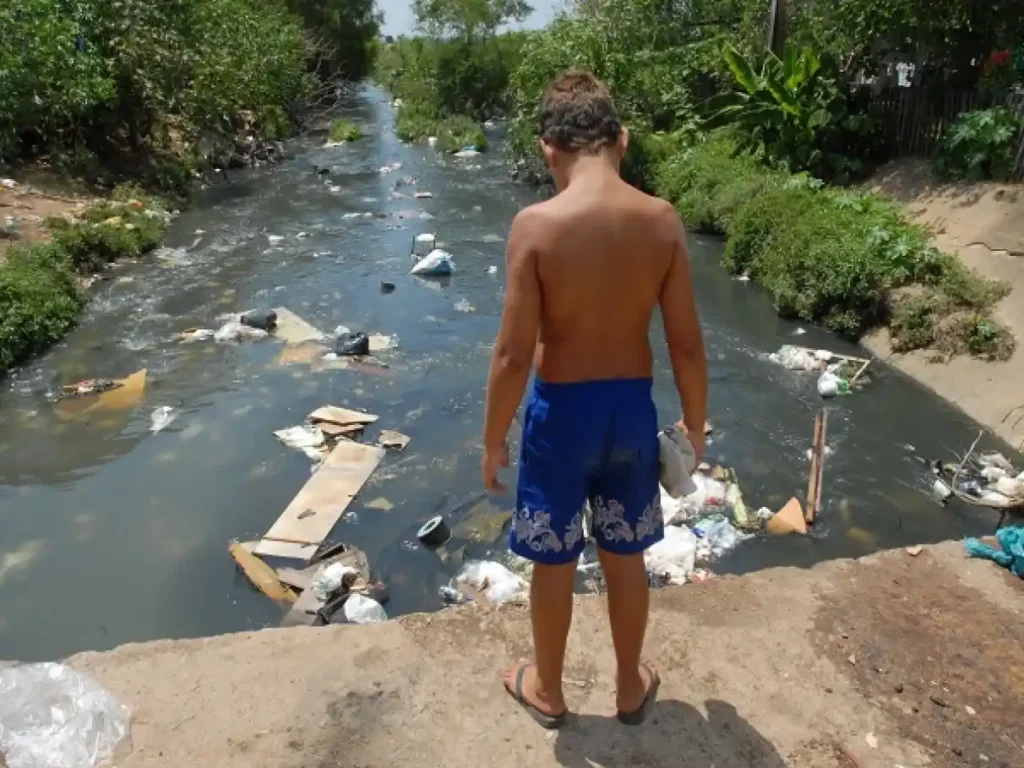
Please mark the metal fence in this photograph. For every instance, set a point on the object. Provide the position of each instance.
(913, 119)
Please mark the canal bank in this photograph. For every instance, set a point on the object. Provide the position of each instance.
(889, 660)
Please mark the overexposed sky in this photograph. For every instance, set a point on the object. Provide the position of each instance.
(398, 18)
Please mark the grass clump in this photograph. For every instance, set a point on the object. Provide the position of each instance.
(127, 226)
(345, 130)
(39, 301)
(834, 257)
(453, 133)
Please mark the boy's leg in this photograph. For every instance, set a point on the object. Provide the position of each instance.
(628, 600)
(547, 529)
(628, 519)
(551, 615)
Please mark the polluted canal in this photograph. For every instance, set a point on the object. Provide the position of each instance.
(115, 521)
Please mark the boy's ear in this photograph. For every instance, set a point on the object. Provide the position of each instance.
(550, 154)
(623, 143)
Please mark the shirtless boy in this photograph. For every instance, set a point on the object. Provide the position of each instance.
(586, 270)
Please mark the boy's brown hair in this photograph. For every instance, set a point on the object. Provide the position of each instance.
(577, 114)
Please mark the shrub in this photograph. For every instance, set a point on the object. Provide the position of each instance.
(109, 231)
(979, 145)
(345, 130)
(38, 301)
(452, 133)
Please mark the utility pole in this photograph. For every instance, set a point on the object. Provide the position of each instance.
(777, 31)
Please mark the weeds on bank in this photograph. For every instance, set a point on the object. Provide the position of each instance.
(39, 296)
(834, 257)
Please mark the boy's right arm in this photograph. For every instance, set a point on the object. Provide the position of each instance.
(685, 341)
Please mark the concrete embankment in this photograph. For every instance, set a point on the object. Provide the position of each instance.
(891, 660)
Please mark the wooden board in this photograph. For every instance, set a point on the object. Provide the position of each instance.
(305, 353)
(817, 468)
(122, 398)
(292, 329)
(284, 549)
(391, 439)
(332, 431)
(316, 508)
(303, 613)
(261, 575)
(341, 416)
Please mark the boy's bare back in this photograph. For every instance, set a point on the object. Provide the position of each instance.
(602, 255)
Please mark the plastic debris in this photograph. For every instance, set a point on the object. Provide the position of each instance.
(992, 474)
(796, 359)
(492, 270)
(263, 319)
(468, 152)
(830, 385)
(995, 499)
(301, 437)
(196, 334)
(330, 578)
(994, 459)
(1011, 487)
(275, 239)
(352, 345)
(678, 461)
(8, 183)
(161, 418)
(423, 195)
(450, 595)
(391, 168)
(496, 582)
(789, 519)
(233, 330)
(463, 305)
(941, 492)
(720, 535)
(437, 263)
(360, 609)
(672, 559)
(432, 141)
(424, 243)
(52, 716)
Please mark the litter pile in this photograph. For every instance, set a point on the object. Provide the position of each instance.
(982, 479)
(335, 586)
(837, 373)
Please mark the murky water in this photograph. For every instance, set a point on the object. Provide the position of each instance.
(110, 533)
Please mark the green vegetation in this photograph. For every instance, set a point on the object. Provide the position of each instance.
(459, 74)
(799, 111)
(39, 302)
(39, 297)
(155, 90)
(979, 145)
(833, 257)
(344, 130)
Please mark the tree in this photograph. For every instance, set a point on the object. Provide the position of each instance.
(468, 20)
(345, 31)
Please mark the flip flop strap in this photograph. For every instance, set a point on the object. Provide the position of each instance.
(519, 681)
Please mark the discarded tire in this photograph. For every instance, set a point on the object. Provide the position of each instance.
(434, 533)
(352, 344)
(263, 319)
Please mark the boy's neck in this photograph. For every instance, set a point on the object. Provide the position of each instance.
(590, 168)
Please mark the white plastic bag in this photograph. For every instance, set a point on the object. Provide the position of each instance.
(161, 417)
(673, 558)
(330, 578)
(235, 331)
(424, 244)
(828, 384)
(721, 536)
(301, 437)
(796, 359)
(360, 609)
(52, 716)
(494, 580)
(678, 461)
(437, 263)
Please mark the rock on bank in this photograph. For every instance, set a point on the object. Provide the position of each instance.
(785, 667)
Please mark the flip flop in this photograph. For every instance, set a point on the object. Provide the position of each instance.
(543, 718)
(638, 715)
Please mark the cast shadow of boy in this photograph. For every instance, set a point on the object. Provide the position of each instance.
(676, 735)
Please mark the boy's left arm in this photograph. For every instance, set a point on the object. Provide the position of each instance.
(515, 346)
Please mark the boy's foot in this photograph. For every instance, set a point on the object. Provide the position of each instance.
(634, 704)
(520, 680)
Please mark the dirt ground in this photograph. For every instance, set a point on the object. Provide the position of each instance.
(889, 661)
(984, 224)
(29, 207)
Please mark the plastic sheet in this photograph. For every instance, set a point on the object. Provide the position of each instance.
(360, 609)
(796, 359)
(678, 461)
(497, 583)
(673, 558)
(235, 331)
(52, 716)
(721, 536)
(437, 263)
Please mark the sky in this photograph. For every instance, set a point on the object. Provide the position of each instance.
(398, 15)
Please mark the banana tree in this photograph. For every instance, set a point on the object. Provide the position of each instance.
(797, 109)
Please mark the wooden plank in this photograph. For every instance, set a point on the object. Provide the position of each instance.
(860, 371)
(316, 508)
(332, 431)
(261, 575)
(341, 416)
(129, 394)
(391, 439)
(814, 478)
(292, 329)
(285, 549)
(303, 613)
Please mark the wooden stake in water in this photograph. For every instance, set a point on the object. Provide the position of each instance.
(814, 482)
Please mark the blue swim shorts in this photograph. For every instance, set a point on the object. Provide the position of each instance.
(590, 442)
